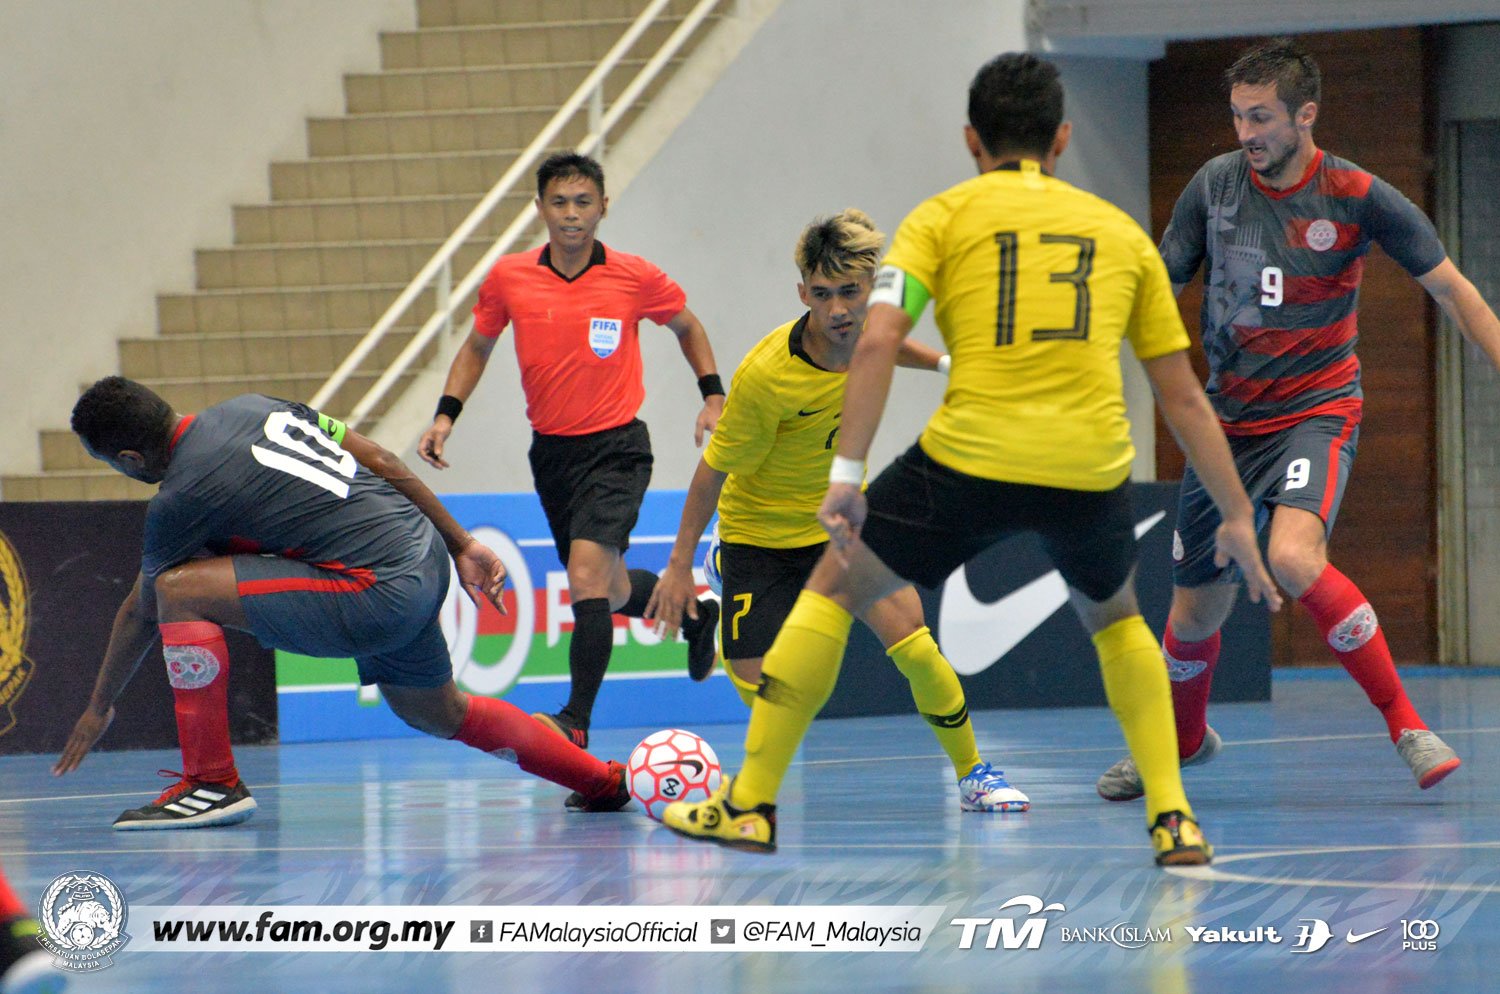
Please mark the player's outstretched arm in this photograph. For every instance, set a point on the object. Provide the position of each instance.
(869, 382)
(1196, 427)
(915, 355)
(463, 377)
(693, 341)
(134, 632)
(1465, 307)
(479, 569)
(675, 590)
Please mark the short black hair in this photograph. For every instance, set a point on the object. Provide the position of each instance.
(1016, 104)
(116, 414)
(1286, 64)
(568, 165)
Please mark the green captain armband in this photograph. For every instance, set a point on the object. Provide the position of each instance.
(332, 427)
(901, 289)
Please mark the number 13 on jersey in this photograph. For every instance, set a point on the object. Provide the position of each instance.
(1077, 277)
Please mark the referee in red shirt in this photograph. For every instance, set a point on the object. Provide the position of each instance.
(575, 306)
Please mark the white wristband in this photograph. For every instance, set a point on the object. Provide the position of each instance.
(945, 363)
(847, 471)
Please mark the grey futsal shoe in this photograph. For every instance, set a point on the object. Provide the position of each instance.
(1122, 781)
(1428, 756)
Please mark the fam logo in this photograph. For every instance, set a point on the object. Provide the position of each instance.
(1004, 931)
(15, 668)
(83, 921)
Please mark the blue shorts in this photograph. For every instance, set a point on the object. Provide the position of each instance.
(1306, 466)
(388, 623)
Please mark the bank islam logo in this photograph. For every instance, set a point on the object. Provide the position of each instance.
(83, 921)
(15, 668)
(976, 635)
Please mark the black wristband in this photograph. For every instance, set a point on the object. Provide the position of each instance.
(450, 405)
(710, 385)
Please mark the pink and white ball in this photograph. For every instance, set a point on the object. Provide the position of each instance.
(672, 765)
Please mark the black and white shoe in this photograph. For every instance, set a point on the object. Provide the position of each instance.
(25, 967)
(191, 804)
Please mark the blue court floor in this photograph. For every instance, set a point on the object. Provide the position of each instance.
(1315, 818)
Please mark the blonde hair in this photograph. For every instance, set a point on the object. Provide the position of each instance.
(845, 244)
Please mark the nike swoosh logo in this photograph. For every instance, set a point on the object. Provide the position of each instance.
(1362, 936)
(808, 414)
(697, 766)
(976, 635)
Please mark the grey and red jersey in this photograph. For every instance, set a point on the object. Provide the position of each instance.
(1281, 300)
(259, 475)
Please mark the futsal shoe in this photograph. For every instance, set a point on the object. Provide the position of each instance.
(716, 820)
(1428, 756)
(613, 796)
(565, 725)
(1122, 781)
(701, 647)
(1179, 841)
(191, 804)
(985, 788)
(25, 967)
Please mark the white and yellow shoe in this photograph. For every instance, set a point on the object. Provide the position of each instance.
(716, 820)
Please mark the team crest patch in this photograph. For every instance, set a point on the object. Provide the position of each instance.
(190, 667)
(1321, 235)
(604, 336)
(1355, 630)
(1183, 670)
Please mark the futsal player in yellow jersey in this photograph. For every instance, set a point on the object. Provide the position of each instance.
(766, 469)
(1037, 285)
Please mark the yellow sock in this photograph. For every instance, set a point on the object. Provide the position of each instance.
(795, 680)
(938, 695)
(1135, 681)
(743, 687)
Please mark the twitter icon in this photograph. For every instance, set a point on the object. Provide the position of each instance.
(721, 930)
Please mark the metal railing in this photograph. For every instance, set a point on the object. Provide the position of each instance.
(437, 274)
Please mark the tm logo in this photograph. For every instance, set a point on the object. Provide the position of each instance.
(1003, 931)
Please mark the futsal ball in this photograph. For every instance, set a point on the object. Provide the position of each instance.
(711, 574)
(672, 765)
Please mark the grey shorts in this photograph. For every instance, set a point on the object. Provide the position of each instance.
(1306, 466)
(387, 622)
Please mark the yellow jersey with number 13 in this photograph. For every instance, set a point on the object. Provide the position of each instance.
(1036, 283)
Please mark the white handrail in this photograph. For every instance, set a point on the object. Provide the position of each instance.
(441, 261)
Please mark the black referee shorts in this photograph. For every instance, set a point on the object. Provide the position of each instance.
(926, 520)
(591, 486)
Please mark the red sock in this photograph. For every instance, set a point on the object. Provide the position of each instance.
(502, 729)
(10, 905)
(1349, 625)
(198, 669)
(1191, 667)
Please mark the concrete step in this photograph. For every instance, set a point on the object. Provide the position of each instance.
(514, 44)
(540, 84)
(208, 312)
(259, 354)
(265, 266)
(310, 222)
(453, 13)
(84, 484)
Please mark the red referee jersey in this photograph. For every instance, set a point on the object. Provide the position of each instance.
(577, 340)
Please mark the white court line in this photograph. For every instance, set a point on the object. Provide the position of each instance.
(851, 760)
(1215, 874)
(324, 688)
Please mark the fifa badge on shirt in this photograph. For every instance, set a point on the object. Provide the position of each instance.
(604, 336)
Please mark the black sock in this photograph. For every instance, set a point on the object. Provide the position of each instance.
(642, 583)
(588, 655)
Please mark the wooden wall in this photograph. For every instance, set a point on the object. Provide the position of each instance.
(1375, 112)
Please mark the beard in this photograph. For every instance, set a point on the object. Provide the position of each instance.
(1278, 165)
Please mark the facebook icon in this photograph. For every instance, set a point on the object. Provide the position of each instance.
(481, 931)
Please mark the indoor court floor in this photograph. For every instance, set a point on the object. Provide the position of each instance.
(1314, 816)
